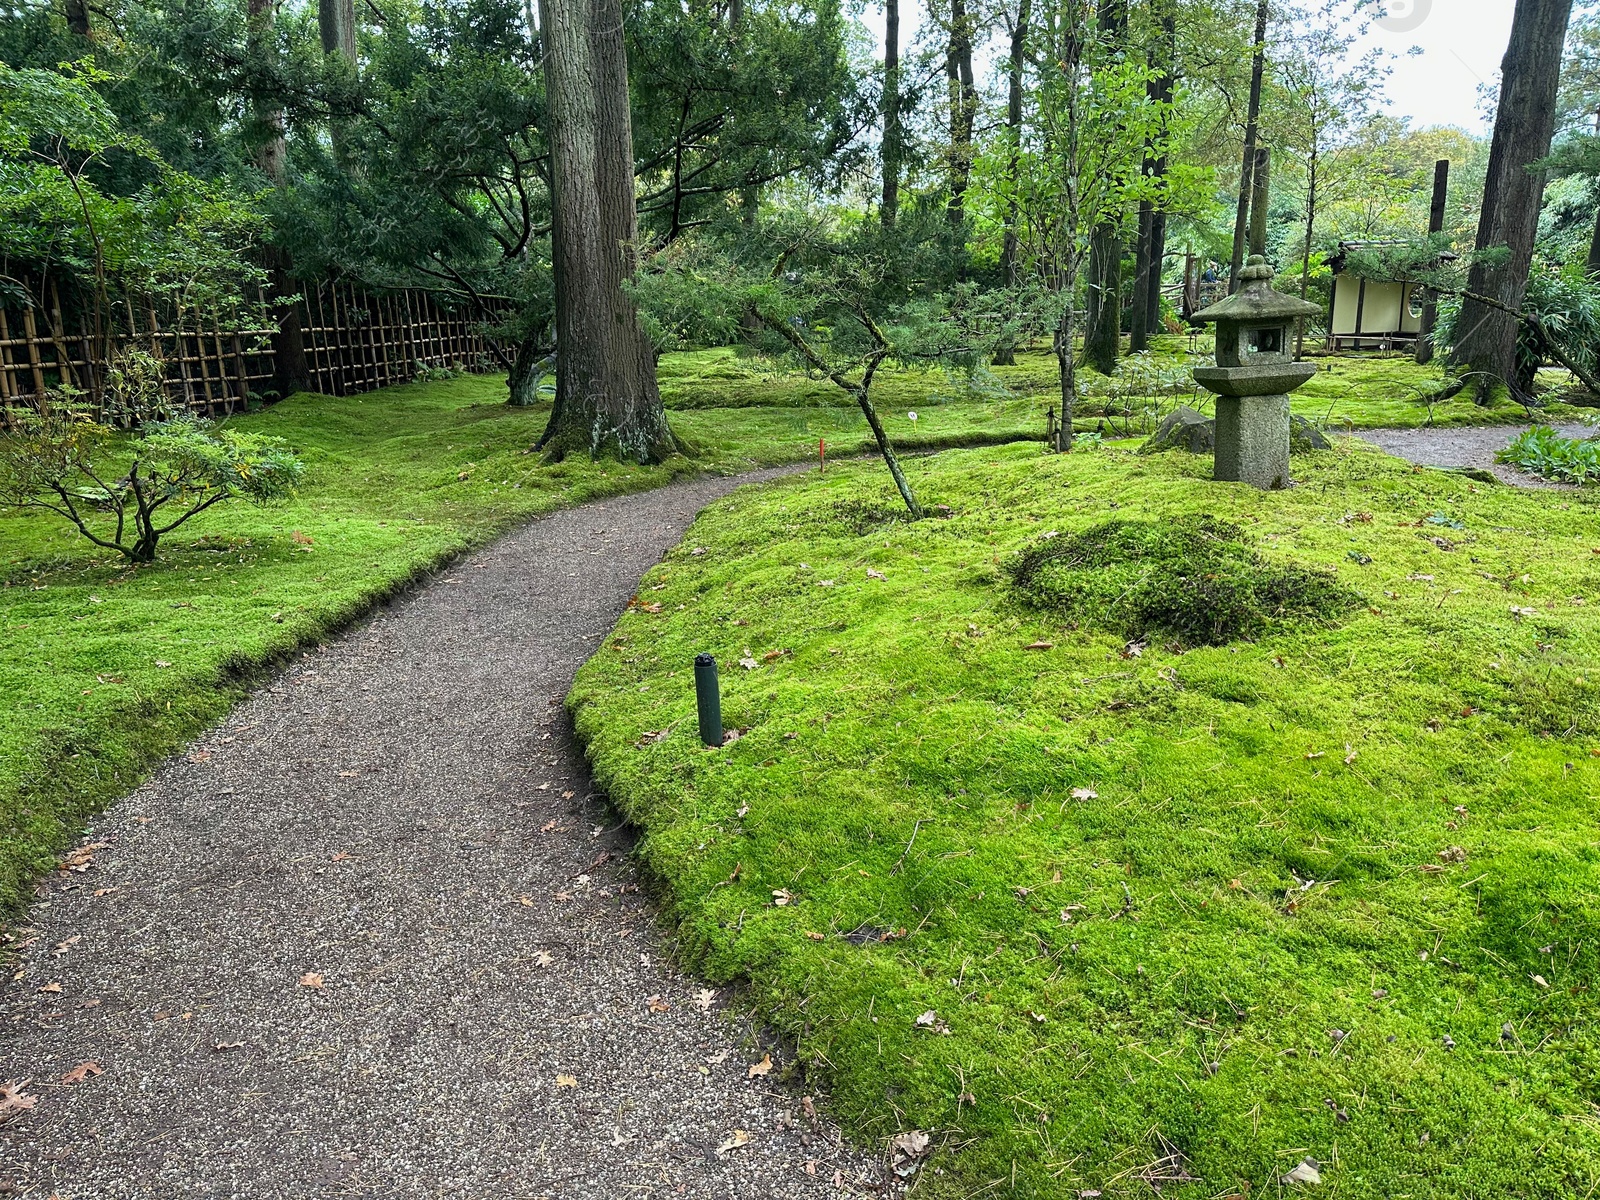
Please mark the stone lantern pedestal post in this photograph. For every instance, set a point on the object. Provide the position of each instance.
(1254, 375)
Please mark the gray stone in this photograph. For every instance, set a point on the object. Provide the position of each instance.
(1304, 436)
(1253, 441)
(1184, 429)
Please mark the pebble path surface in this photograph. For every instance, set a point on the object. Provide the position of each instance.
(374, 936)
(1465, 446)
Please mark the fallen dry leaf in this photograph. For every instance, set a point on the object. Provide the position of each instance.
(1540, 980)
(907, 1150)
(1305, 1171)
(1040, 646)
(223, 1047)
(1082, 793)
(81, 1072)
(704, 998)
(1453, 854)
(658, 1005)
(81, 859)
(53, 988)
(311, 980)
(764, 1067)
(341, 856)
(544, 958)
(782, 897)
(12, 1101)
(63, 947)
(871, 574)
(735, 1140)
(566, 1081)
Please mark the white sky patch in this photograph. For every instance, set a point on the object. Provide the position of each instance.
(1461, 44)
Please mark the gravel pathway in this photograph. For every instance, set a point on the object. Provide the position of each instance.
(1465, 446)
(374, 936)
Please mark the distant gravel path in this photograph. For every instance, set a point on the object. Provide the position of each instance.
(374, 937)
(1464, 446)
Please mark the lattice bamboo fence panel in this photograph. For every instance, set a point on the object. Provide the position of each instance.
(356, 339)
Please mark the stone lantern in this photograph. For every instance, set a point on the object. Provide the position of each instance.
(1254, 375)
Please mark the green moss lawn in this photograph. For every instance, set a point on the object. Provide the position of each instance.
(104, 668)
(1102, 918)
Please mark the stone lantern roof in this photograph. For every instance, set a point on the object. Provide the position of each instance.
(1256, 300)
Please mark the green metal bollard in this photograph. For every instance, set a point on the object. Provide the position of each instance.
(708, 697)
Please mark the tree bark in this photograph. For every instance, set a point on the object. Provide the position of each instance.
(963, 110)
(77, 14)
(890, 208)
(1251, 128)
(336, 22)
(1019, 43)
(291, 372)
(1102, 335)
(1486, 341)
(1010, 275)
(1430, 310)
(1139, 326)
(606, 398)
(1313, 164)
(1592, 266)
(1260, 200)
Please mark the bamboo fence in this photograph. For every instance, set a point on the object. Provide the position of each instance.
(356, 339)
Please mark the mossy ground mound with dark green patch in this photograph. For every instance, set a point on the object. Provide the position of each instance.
(1195, 578)
(1331, 892)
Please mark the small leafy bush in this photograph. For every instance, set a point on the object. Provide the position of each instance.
(1543, 451)
(1194, 578)
(125, 494)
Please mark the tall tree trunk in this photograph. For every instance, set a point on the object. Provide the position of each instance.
(1529, 73)
(606, 396)
(1313, 165)
(291, 372)
(1006, 354)
(891, 114)
(963, 110)
(1139, 324)
(1251, 127)
(1430, 310)
(336, 22)
(1592, 266)
(1158, 218)
(1019, 44)
(1102, 335)
(77, 14)
(1260, 186)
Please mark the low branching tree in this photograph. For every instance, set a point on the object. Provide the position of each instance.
(841, 300)
(126, 493)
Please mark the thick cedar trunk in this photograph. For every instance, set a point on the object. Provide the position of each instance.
(1259, 199)
(1102, 334)
(77, 13)
(606, 397)
(336, 22)
(290, 370)
(1486, 340)
(1247, 167)
(891, 114)
(1430, 311)
(963, 110)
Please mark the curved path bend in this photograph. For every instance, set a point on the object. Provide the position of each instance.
(374, 936)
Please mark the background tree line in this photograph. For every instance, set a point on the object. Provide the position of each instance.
(754, 170)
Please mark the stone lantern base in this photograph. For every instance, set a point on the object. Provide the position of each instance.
(1253, 441)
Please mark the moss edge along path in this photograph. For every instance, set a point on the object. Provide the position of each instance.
(1100, 910)
(373, 935)
(103, 668)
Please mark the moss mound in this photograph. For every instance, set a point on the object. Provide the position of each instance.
(1195, 578)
